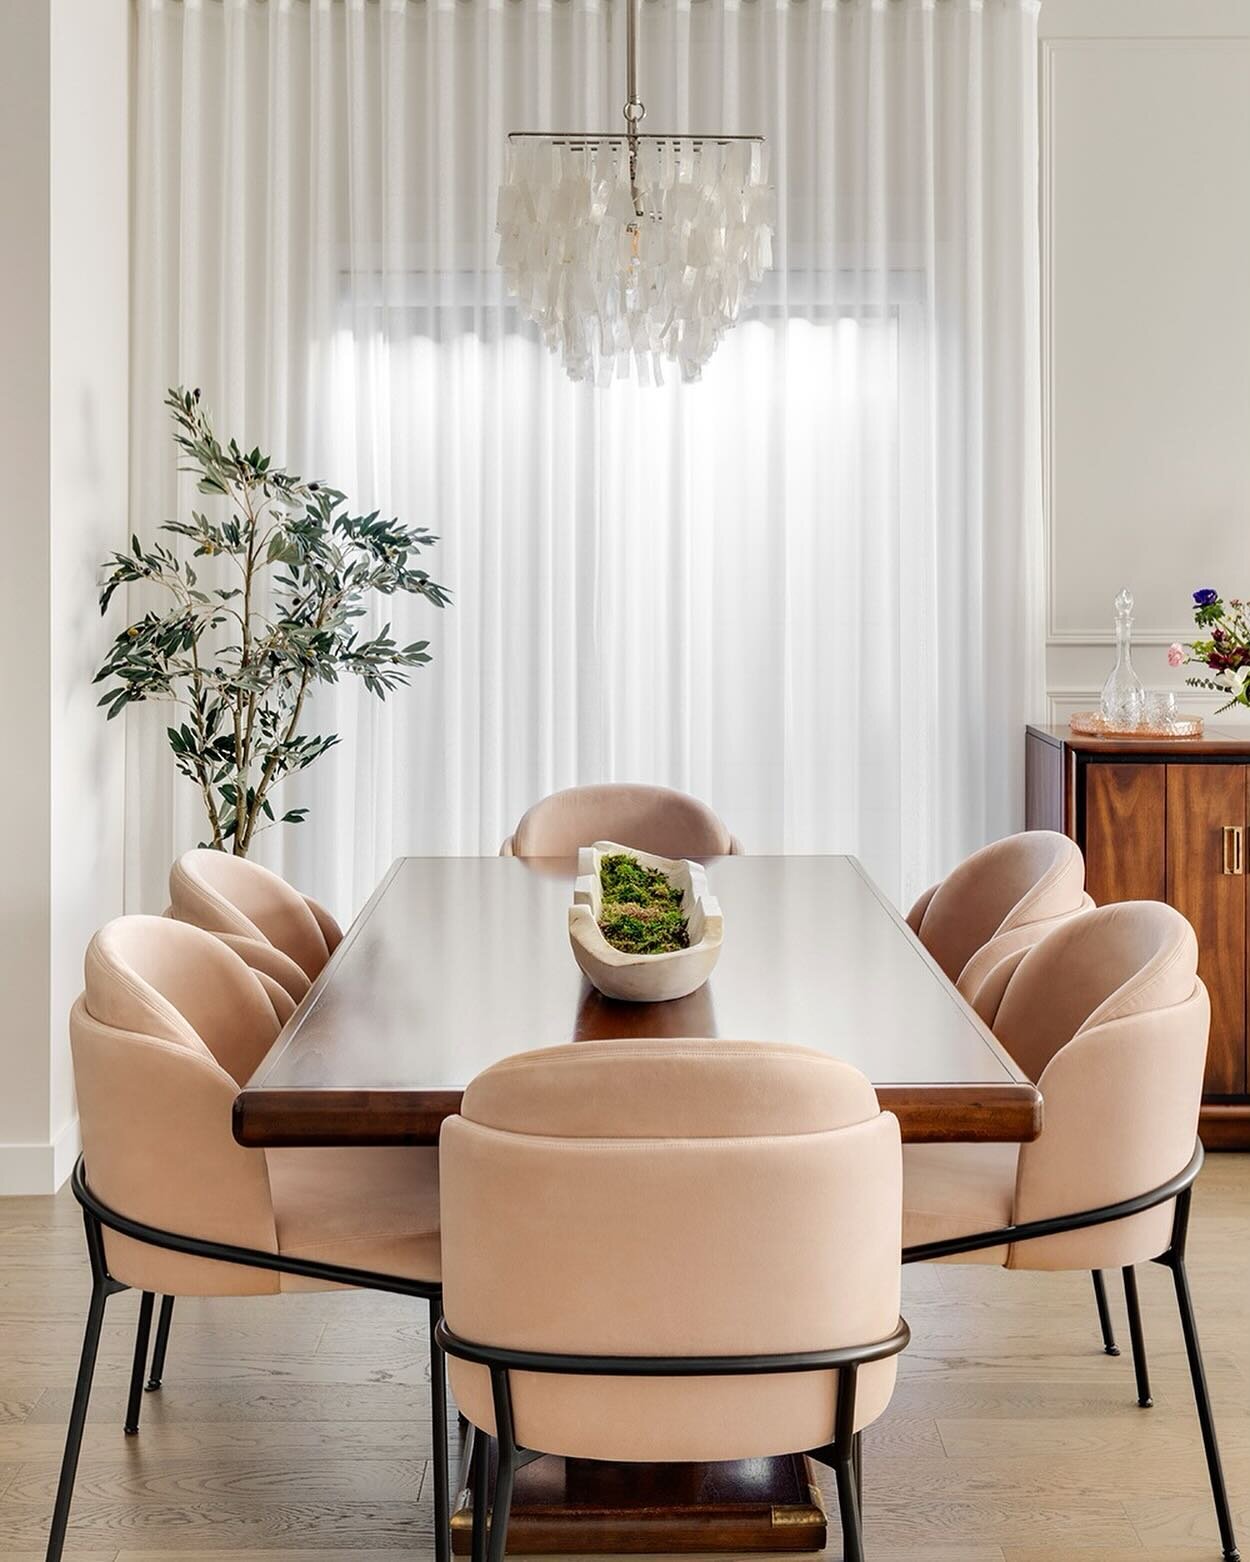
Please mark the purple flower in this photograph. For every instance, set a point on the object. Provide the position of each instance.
(1206, 596)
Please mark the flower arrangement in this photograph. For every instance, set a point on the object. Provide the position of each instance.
(1226, 650)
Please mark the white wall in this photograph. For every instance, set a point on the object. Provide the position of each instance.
(64, 290)
(25, 527)
(1146, 325)
(90, 457)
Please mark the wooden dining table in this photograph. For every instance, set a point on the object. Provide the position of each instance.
(456, 962)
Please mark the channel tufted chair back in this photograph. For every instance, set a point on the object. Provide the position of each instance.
(1003, 898)
(650, 818)
(671, 1198)
(275, 928)
(170, 1023)
(1109, 1016)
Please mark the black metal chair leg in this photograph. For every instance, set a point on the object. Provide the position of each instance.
(846, 1465)
(848, 1511)
(1202, 1399)
(1104, 1314)
(501, 1503)
(509, 1460)
(481, 1492)
(163, 1322)
(1140, 1366)
(101, 1290)
(857, 1456)
(142, 1335)
(438, 1411)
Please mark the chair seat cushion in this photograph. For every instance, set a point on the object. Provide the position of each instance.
(957, 1190)
(364, 1208)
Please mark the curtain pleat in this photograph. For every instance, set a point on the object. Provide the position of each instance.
(805, 588)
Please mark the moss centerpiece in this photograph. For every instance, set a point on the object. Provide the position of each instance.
(643, 928)
(641, 910)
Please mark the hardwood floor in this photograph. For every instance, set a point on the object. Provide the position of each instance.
(293, 1428)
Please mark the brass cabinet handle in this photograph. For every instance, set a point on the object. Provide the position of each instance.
(1232, 848)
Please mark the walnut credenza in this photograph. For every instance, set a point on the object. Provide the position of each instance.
(1167, 821)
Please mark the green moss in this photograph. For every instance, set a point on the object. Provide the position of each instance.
(641, 913)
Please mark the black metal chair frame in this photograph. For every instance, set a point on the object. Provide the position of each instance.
(842, 1453)
(96, 1217)
(1179, 1188)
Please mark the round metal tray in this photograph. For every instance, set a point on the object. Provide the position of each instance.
(1093, 724)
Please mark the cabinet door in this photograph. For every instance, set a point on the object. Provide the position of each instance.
(1125, 832)
(1207, 883)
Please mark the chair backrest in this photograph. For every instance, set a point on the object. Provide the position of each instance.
(650, 818)
(1013, 940)
(1024, 880)
(671, 1198)
(1109, 1016)
(281, 978)
(171, 1021)
(225, 894)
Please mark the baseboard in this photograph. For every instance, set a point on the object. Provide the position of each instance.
(39, 1168)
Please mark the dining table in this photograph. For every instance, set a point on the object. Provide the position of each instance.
(457, 962)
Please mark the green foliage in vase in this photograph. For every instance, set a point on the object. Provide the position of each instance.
(641, 912)
(276, 612)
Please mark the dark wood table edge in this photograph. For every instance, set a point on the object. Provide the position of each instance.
(285, 1119)
(968, 1112)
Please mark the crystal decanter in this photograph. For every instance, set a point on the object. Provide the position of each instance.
(1122, 694)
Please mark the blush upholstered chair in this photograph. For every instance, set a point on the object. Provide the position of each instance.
(1004, 897)
(170, 1023)
(273, 927)
(666, 1251)
(650, 818)
(1109, 1017)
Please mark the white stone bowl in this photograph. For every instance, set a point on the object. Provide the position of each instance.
(644, 978)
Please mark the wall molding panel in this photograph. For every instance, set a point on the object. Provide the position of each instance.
(1145, 247)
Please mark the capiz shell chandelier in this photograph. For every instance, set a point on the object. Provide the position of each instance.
(629, 249)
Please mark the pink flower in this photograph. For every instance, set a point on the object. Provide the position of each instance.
(1176, 655)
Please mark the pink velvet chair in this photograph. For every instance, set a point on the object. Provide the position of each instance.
(1004, 897)
(171, 1022)
(650, 818)
(1109, 1017)
(667, 1251)
(272, 926)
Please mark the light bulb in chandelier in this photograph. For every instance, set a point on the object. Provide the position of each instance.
(629, 250)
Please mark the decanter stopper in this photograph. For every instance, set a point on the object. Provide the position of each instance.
(1122, 694)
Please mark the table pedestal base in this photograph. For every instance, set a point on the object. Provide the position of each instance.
(581, 1505)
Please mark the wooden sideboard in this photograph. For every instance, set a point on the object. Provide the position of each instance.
(1166, 820)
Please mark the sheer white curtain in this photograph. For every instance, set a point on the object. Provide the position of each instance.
(805, 588)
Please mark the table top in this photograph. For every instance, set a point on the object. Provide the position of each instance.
(457, 962)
